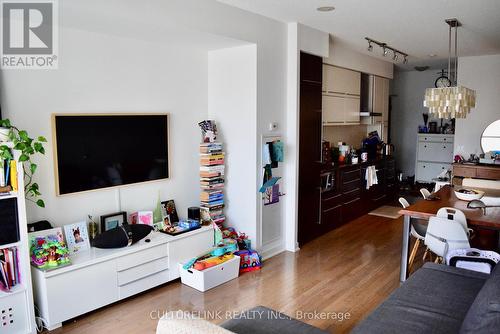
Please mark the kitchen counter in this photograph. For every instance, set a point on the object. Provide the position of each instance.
(328, 167)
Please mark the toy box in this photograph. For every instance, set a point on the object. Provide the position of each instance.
(211, 277)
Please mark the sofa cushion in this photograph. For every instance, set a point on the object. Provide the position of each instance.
(262, 320)
(180, 322)
(484, 314)
(435, 299)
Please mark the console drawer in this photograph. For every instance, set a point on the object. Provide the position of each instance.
(146, 269)
(138, 258)
(143, 284)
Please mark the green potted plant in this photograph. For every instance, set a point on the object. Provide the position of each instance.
(28, 147)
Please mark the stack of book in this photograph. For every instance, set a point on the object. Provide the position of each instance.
(9, 268)
(212, 181)
(8, 176)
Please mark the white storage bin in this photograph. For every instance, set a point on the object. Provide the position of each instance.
(211, 277)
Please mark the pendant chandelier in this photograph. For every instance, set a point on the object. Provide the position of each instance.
(453, 101)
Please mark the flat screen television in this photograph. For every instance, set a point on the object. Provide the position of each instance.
(95, 151)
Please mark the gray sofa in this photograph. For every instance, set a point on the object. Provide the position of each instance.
(439, 299)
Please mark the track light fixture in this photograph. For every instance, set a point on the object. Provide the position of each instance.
(385, 50)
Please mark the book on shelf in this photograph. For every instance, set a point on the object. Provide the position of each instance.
(212, 168)
(211, 174)
(212, 162)
(8, 176)
(9, 268)
(210, 147)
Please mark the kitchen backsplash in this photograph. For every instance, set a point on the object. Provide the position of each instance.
(349, 134)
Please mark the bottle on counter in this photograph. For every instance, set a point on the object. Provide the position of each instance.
(354, 158)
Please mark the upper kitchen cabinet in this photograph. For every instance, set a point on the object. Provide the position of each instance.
(341, 81)
(341, 96)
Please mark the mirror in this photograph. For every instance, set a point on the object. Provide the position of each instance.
(490, 140)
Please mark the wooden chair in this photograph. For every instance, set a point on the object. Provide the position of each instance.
(417, 231)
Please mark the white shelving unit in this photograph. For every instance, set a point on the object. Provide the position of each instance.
(17, 313)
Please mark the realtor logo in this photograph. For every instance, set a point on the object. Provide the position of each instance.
(29, 34)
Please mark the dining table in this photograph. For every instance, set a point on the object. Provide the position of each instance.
(445, 197)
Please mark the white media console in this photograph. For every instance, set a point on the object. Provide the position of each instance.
(99, 277)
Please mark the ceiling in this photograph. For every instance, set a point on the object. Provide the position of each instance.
(416, 27)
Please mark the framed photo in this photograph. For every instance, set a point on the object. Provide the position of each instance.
(109, 222)
(169, 209)
(77, 237)
(142, 217)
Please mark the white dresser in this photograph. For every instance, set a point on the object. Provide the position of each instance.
(434, 155)
(99, 277)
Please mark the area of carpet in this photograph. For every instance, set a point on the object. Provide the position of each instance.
(386, 211)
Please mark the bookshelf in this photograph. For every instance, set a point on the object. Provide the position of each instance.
(212, 170)
(17, 313)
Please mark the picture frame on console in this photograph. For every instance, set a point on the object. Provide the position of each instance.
(111, 221)
(170, 210)
(77, 237)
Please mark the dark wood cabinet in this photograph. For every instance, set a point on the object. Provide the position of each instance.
(351, 199)
(310, 123)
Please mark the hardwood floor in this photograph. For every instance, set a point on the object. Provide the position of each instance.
(349, 270)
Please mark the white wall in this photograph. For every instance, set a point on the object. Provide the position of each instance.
(114, 79)
(232, 100)
(342, 56)
(483, 75)
(406, 115)
(160, 65)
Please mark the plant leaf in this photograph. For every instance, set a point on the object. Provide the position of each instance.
(40, 203)
(23, 135)
(20, 146)
(23, 158)
(38, 147)
(42, 139)
(33, 168)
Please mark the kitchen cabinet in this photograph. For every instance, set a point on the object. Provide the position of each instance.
(341, 99)
(340, 80)
(310, 123)
(490, 172)
(349, 198)
(340, 109)
(434, 155)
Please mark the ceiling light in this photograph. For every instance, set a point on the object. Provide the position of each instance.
(405, 60)
(385, 51)
(325, 9)
(432, 55)
(455, 101)
(370, 46)
(395, 56)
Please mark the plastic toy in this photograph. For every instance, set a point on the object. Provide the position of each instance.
(212, 262)
(48, 252)
(250, 260)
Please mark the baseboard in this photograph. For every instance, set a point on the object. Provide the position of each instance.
(272, 249)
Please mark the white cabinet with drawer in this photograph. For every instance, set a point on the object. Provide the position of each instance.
(99, 277)
(434, 155)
